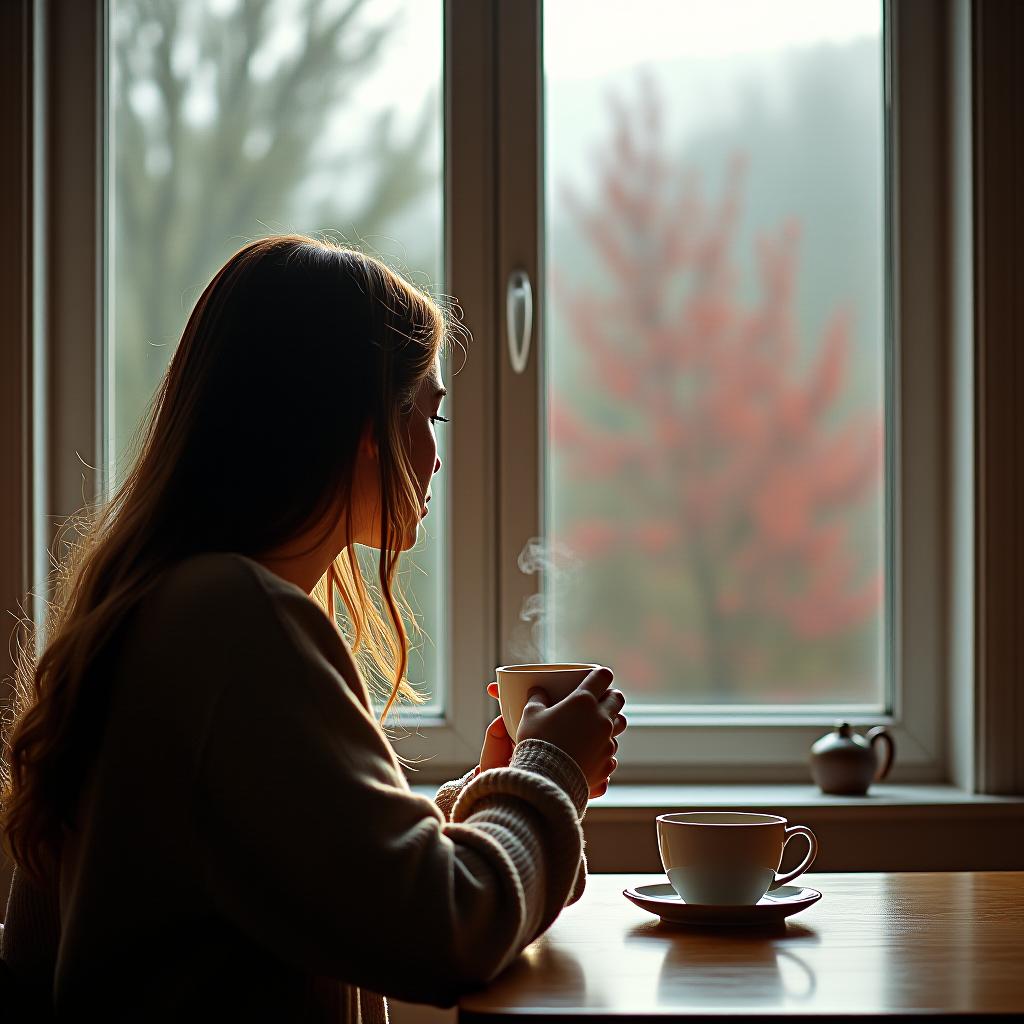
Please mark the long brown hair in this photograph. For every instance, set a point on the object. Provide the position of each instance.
(293, 348)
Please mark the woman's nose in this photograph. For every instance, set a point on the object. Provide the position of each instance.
(437, 464)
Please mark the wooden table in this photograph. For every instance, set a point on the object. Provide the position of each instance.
(880, 945)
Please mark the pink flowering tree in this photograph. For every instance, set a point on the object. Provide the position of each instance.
(721, 486)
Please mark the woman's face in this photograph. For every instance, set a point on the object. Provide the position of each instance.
(423, 441)
(421, 445)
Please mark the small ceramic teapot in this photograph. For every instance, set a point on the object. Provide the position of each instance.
(846, 764)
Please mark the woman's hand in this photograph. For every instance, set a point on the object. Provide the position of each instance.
(584, 724)
(498, 745)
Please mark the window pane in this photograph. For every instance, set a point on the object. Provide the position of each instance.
(715, 483)
(233, 120)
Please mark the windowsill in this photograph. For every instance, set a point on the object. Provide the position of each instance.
(894, 828)
(628, 802)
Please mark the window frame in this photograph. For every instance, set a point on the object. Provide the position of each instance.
(493, 166)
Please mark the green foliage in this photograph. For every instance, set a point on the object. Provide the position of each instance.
(210, 149)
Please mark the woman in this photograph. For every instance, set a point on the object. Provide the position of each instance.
(205, 815)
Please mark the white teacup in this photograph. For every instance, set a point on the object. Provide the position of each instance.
(516, 681)
(727, 857)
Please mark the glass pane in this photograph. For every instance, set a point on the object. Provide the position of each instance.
(715, 483)
(234, 120)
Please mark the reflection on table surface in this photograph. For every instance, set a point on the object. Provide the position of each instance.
(875, 943)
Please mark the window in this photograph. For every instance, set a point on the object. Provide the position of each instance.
(718, 235)
(494, 152)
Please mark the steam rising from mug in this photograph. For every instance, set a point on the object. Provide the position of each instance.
(558, 566)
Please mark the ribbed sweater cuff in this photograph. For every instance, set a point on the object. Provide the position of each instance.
(553, 763)
(449, 792)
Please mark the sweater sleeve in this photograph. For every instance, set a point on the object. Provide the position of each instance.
(449, 792)
(313, 845)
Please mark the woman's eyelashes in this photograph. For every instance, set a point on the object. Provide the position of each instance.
(438, 419)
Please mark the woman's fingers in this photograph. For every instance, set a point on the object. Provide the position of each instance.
(619, 725)
(602, 787)
(497, 748)
(492, 689)
(613, 701)
(597, 681)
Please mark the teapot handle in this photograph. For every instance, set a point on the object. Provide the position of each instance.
(881, 733)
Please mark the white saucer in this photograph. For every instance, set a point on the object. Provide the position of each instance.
(772, 908)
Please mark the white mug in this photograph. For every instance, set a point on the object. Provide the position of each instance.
(727, 857)
(516, 681)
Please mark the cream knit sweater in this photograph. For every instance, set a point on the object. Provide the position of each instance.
(247, 846)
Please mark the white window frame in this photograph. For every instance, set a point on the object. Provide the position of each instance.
(493, 153)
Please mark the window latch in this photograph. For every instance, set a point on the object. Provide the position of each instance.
(519, 318)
